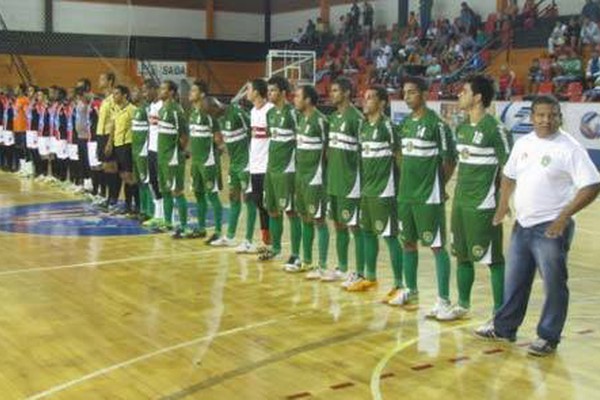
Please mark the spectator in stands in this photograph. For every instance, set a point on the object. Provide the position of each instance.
(535, 76)
(355, 15)
(368, 13)
(298, 37)
(573, 32)
(511, 10)
(569, 69)
(506, 82)
(590, 33)
(481, 39)
(468, 18)
(425, 7)
(592, 71)
(310, 34)
(593, 94)
(381, 64)
(557, 37)
(591, 10)
(413, 23)
(434, 70)
(529, 14)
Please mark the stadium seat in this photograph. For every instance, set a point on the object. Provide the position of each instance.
(575, 91)
(546, 88)
(434, 91)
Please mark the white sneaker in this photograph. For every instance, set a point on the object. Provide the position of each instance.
(488, 325)
(246, 248)
(351, 278)
(441, 306)
(292, 262)
(223, 241)
(405, 297)
(453, 313)
(314, 275)
(332, 275)
(300, 267)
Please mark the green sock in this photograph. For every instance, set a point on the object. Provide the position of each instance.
(442, 267)
(235, 209)
(276, 229)
(250, 220)
(396, 258)
(201, 206)
(371, 250)
(323, 232)
(308, 236)
(143, 201)
(342, 241)
(296, 234)
(168, 208)
(217, 207)
(465, 275)
(497, 276)
(183, 210)
(359, 250)
(411, 263)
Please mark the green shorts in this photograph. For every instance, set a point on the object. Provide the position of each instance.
(474, 237)
(171, 172)
(379, 215)
(422, 222)
(239, 181)
(279, 192)
(311, 200)
(343, 210)
(206, 179)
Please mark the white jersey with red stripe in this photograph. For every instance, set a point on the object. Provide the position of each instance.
(259, 144)
(153, 128)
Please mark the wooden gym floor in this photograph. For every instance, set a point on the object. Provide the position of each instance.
(136, 317)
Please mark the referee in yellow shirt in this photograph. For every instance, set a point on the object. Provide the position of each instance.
(119, 145)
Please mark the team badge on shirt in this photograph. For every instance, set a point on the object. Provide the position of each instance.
(428, 236)
(477, 251)
(546, 160)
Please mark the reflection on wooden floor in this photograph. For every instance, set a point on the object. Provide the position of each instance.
(136, 317)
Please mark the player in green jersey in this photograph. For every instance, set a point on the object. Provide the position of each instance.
(172, 140)
(483, 147)
(139, 150)
(343, 179)
(311, 199)
(428, 161)
(378, 178)
(235, 129)
(205, 137)
(279, 179)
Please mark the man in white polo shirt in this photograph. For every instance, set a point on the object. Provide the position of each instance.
(552, 178)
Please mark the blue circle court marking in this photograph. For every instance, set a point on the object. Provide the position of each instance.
(73, 218)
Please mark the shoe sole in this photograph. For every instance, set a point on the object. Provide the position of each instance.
(535, 353)
(494, 339)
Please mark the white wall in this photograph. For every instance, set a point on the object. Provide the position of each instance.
(116, 19)
(239, 26)
(284, 26)
(23, 15)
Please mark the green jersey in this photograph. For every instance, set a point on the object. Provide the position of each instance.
(482, 151)
(281, 128)
(140, 128)
(202, 128)
(426, 143)
(378, 143)
(311, 140)
(171, 126)
(343, 157)
(235, 127)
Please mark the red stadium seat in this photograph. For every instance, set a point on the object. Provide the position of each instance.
(574, 91)
(546, 88)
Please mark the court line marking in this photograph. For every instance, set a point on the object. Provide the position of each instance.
(376, 374)
(107, 262)
(158, 352)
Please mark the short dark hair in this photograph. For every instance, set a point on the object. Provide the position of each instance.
(418, 81)
(260, 86)
(345, 84)
(545, 99)
(172, 86)
(87, 84)
(483, 85)
(123, 89)
(61, 93)
(281, 83)
(150, 84)
(201, 85)
(380, 92)
(111, 77)
(309, 92)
